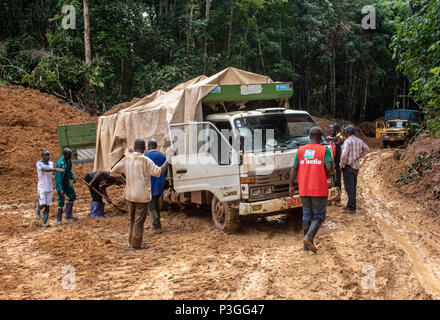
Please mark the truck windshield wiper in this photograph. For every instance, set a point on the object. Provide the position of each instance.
(289, 146)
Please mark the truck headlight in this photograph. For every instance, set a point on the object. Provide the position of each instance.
(268, 190)
(256, 192)
(384, 135)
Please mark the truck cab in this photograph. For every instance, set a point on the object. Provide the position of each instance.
(394, 131)
(239, 162)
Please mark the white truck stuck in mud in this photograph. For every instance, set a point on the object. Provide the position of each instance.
(238, 162)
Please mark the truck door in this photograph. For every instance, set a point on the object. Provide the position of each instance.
(380, 125)
(204, 160)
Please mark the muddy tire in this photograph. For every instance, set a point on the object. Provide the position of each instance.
(385, 144)
(295, 218)
(225, 217)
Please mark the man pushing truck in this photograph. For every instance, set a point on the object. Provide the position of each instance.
(45, 187)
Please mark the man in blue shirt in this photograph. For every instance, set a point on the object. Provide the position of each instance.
(157, 184)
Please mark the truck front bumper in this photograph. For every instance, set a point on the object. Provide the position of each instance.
(394, 138)
(280, 204)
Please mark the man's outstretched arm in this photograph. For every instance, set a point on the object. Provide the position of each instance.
(293, 176)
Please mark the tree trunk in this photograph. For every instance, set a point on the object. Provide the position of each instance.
(228, 46)
(307, 86)
(122, 77)
(333, 84)
(88, 51)
(349, 91)
(205, 42)
(403, 94)
(279, 28)
(353, 99)
(364, 105)
(260, 51)
(188, 34)
(245, 39)
(92, 107)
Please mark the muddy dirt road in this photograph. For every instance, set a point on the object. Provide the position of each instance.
(390, 249)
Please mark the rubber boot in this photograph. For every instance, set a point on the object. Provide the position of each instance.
(94, 209)
(45, 217)
(69, 208)
(37, 212)
(310, 236)
(306, 226)
(60, 215)
(101, 210)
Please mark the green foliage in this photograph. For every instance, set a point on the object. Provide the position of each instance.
(416, 46)
(139, 46)
(423, 163)
(397, 154)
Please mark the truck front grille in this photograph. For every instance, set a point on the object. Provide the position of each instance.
(279, 179)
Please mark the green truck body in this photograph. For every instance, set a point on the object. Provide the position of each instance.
(80, 138)
(251, 92)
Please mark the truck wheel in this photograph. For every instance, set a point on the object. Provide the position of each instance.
(295, 217)
(224, 216)
(385, 144)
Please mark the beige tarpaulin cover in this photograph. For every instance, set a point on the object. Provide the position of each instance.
(149, 117)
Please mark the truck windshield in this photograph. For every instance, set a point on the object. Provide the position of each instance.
(275, 131)
(396, 124)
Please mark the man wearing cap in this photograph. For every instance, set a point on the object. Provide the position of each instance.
(157, 184)
(312, 165)
(352, 150)
(336, 140)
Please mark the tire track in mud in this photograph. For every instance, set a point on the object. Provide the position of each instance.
(399, 220)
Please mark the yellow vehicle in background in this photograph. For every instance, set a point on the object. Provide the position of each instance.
(394, 130)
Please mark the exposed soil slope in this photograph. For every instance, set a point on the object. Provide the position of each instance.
(425, 188)
(28, 124)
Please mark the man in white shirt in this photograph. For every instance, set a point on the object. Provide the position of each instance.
(138, 170)
(45, 187)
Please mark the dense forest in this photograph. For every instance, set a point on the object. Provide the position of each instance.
(113, 51)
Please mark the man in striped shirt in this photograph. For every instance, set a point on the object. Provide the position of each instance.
(352, 150)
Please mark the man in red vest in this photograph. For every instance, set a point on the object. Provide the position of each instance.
(312, 166)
